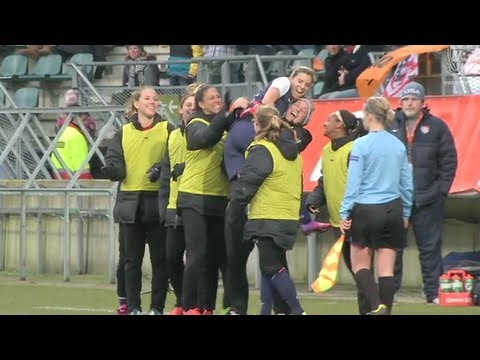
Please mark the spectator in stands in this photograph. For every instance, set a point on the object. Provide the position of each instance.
(170, 178)
(433, 156)
(133, 159)
(356, 63)
(342, 128)
(73, 145)
(136, 75)
(184, 74)
(214, 67)
(272, 162)
(336, 59)
(377, 205)
(35, 51)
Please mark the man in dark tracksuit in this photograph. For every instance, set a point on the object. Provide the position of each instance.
(432, 153)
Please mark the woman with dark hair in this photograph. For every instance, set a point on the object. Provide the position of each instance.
(170, 179)
(342, 128)
(202, 199)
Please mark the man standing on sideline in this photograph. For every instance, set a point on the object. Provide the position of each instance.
(433, 157)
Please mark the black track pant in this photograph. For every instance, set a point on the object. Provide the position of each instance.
(205, 255)
(135, 237)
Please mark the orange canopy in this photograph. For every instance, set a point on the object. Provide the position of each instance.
(370, 80)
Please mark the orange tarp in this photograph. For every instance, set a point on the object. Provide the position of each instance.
(370, 80)
(461, 113)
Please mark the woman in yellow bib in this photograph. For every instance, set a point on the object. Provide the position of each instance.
(271, 182)
(202, 200)
(137, 149)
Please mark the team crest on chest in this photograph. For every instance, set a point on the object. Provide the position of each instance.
(425, 129)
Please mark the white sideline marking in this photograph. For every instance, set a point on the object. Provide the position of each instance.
(65, 308)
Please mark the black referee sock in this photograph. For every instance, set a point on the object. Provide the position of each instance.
(386, 288)
(366, 284)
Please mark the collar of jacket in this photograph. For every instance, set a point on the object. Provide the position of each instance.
(134, 120)
(339, 142)
(201, 115)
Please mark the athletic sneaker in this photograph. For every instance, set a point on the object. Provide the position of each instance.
(207, 312)
(434, 301)
(381, 310)
(195, 311)
(136, 312)
(154, 312)
(177, 311)
(315, 226)
(122, 309)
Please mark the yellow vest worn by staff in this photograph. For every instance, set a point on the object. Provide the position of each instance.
(335, 173)
(280, 195)
(177, 149)
(141, 150)
(73, 148)
(204, 173)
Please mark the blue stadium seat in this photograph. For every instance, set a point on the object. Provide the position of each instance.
(13, 66)
(80, 59)
(303, 62)
(26, 97)
(278, 67)
(47, 66)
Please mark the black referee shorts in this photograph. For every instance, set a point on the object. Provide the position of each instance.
(379, 226)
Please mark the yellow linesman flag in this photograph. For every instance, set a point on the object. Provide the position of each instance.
(327, 277)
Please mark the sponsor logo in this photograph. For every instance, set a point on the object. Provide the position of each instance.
(425, 129)
(462, 300)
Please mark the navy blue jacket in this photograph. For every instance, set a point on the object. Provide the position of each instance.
(281, 104)
(239, 137)
(432, 154)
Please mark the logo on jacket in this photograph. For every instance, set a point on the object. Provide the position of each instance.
(425, 129)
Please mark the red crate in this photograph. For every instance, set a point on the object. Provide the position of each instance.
(456, 298)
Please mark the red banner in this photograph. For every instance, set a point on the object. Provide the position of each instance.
(461, 113)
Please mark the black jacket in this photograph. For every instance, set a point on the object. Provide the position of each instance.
(201, 136)
(432, 154)
(131, 206)
(356, 63)
(333, 63)
(251, 177)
